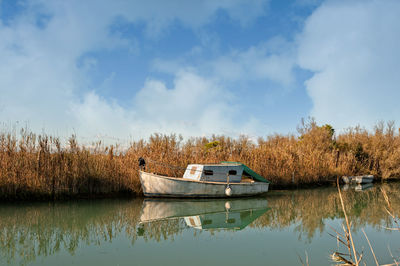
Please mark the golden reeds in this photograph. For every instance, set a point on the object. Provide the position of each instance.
(36, 166)
(40, 166)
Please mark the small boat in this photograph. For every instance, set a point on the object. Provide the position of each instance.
(361, 179)
(227, 179)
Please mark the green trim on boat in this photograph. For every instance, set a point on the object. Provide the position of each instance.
(250, 172)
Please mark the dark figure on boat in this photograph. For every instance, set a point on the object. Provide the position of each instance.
(142, 163)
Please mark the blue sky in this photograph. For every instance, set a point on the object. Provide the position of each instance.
(127, 69)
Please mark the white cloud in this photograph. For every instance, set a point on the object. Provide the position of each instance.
(36, 80)
(44, 80)
(353, 49)
(96, 115)
(273, 60)
(194, 106)
(156, 14)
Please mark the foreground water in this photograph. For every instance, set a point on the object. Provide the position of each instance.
(282, 228)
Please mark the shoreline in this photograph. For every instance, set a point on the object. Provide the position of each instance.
(134, 195)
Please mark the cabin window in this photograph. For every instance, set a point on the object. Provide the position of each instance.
(208, 172)
(231, 221)
(193, 170)
(232, 172)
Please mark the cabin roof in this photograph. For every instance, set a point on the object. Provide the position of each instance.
(246, 170)
(217, 164)
(249, 172)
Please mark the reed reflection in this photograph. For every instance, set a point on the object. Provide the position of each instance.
(311, 208)
(28, 231)
(43, 229)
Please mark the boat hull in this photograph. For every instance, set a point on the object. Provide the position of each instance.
(161, 186)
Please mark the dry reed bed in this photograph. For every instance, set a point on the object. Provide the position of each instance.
(40, 166)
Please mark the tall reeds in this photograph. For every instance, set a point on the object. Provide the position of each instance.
(37, 166)
(40, 165)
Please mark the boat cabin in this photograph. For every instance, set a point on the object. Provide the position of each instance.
(215, 172)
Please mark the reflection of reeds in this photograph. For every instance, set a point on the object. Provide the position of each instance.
(390, 211)
(42, 229)
(305, 208)
(346, 239)
(39, 165)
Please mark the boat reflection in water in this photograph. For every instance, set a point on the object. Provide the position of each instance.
(358, 187)
(234, 214)
(362, 187)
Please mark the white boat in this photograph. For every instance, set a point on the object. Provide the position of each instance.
(206, 181)
(361, 179)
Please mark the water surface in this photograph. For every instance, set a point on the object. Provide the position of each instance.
(278, 229)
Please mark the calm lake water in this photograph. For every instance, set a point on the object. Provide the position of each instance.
(278, 229)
